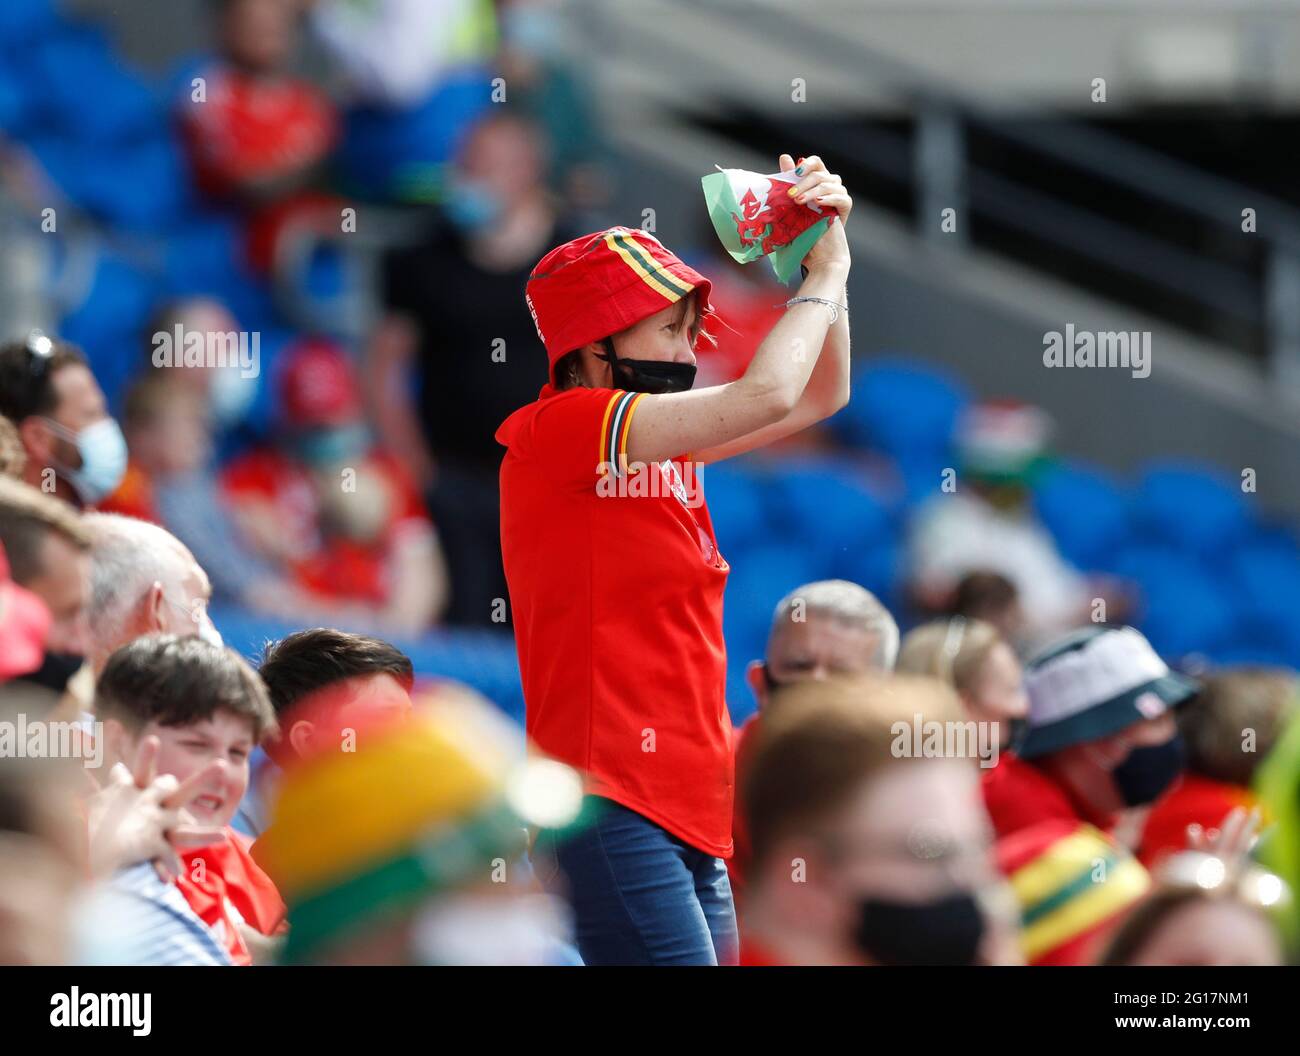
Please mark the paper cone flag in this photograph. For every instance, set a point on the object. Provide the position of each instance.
(755, 216)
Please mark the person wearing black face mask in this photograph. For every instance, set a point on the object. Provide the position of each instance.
(1101, 740)
(819, 630)
(613, 566)
(647, 375)
(861, 855)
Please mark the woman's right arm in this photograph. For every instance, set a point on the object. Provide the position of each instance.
(671, 424)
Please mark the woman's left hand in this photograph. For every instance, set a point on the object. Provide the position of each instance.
(818, 186)
(824, 190)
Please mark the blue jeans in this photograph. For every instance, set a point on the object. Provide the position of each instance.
(639, 894)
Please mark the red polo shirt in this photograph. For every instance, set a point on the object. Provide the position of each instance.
(616, 594)
(1018, 794)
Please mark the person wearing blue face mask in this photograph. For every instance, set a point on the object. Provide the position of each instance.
(453, 352)
(74, 448)
(1101, 743)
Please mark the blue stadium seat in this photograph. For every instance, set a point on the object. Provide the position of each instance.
(24, 23)
(905, 409)
(1250, 654)
(1191, 506)
(878, 566)
(203, 252)
(922, 475)
(14, 102)
(827, 505)
(144, 187)
(108, 319)
(1086, 512)
(1266, 576)
(1183, 607)
(760, 577)
(398, 154)
(87, 92)
(735, 499)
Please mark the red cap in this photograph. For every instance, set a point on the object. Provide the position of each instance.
(604, 282)
(317, 385)
(24, 622)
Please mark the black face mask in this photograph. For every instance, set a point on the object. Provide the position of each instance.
(945, 931)
(1148, 771)
(648, 375)
(55, 670)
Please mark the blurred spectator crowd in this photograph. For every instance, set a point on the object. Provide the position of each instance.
(287, 319)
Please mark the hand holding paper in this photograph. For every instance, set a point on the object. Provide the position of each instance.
(780, 216)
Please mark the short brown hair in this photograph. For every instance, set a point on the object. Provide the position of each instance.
(178, 681)
(984, 595)
(820, 740)
(306, 661)
(25, 391)
(1215, 721)
(27, 518)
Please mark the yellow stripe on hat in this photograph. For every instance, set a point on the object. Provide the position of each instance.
(345, 811)
(1126, 883)
(633, 256)
(1059, 864)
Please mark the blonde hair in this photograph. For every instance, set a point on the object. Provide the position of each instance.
(953, 651)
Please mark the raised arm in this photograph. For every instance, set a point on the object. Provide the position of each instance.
(826, 392)
(767, 401)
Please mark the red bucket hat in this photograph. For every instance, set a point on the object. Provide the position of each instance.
(317, 385)
(605, 282)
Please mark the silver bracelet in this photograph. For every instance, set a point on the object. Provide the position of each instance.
(834, 306)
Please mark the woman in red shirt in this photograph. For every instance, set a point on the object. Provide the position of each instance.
(615, 577)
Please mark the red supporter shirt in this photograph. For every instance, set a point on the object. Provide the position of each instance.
(1018, 794)
(228, 887)
(327, 565)
(617, 606)
(133, 497)
(1193, 800)
(251, 129)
